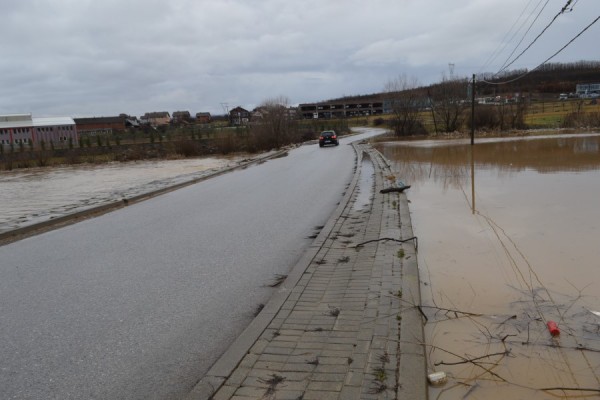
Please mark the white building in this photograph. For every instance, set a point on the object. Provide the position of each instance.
(587, 88)
(23, 128)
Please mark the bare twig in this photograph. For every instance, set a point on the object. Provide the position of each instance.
(416, 240)
(455, 312)
(570, 389)
(470, 360)
(508, 319)
(488, 370)
(422, 313)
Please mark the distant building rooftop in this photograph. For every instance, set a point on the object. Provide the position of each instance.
(26, 120)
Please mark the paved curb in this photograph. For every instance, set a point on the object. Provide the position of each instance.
(379, 327)
(412, 364)
(227, 363)
(55, 223)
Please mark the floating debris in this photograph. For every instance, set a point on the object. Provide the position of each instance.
(553, 328)
(437, 378)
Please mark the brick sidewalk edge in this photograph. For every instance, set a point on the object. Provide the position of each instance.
(411, 358)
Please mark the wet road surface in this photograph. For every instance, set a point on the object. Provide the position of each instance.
(138, 303)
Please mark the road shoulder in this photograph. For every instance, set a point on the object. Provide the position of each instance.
(345, 323)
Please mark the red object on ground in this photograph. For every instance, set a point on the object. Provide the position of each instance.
(553, 328)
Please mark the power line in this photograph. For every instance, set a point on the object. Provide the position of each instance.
(504, 40)
(549, 58)
(524, 35)
(562, 11)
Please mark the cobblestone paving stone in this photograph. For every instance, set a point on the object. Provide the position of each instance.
(338, 334)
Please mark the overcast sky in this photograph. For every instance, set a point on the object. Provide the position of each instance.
(100, 58)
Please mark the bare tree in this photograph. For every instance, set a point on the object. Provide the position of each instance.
(405, 101)
(275, 126)
(502, 112)
(450, 103)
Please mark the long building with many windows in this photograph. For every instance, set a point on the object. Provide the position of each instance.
(17, 129)
(583, 89)
(341, 109)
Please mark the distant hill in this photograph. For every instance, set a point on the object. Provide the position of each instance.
(551, 79)
(546, 81)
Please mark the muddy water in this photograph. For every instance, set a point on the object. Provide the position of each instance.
(509, 239)
(39, 194)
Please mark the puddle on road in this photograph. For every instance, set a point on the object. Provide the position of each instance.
(39, 194)
(502, 254)
(365, 184)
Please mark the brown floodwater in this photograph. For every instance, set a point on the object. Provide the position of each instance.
(29, 196)
(509, 239)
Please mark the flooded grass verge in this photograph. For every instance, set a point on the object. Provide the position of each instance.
(507, 244)
(41, 194)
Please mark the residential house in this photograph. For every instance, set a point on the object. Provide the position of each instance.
(95, 126)
(258, 113)
(203, 117)
(181, 116)
(261, 112)
(156, 118)
(239, 116)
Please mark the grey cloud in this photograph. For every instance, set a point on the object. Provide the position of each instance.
(83, 57)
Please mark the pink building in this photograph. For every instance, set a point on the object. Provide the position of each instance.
(22, 128)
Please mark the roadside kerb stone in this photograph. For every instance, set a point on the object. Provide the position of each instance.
(293, 286)
(344, 324)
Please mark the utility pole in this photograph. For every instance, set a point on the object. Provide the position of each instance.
(473, 111)
(225, 107)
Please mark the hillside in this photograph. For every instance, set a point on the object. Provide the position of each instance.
(546, 81)
(549, 79)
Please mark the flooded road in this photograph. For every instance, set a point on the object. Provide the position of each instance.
(140, 302)
(509, 235)
(39, 194)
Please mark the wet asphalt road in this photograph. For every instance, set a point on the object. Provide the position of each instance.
(139, 303)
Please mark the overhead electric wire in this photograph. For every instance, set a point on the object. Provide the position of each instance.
(501, 47)
(502, 68)
(562, 11)
(549, 58)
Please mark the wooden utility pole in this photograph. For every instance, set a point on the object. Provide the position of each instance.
(473, 111)
(473, 179)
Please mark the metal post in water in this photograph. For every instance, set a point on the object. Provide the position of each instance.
(473, 179)
(473, 111)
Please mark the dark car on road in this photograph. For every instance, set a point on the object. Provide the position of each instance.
(328, 137)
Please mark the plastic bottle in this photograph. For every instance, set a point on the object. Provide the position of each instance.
(553, 328)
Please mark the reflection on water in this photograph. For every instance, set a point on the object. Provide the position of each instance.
(505, 157)
(38, 194)
(365, 185)
(493, 276)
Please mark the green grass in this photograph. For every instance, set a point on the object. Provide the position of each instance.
(379, 374)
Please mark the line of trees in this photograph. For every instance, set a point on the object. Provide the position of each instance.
(446, 101)
(448, 104)
(449, 99)
(277, 127)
